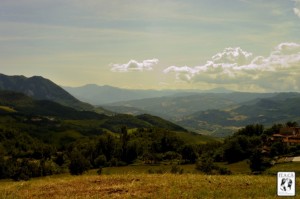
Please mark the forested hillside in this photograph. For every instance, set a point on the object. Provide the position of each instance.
(40, 88)
(39, 137)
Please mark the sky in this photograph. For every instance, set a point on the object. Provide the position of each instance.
(243, 45)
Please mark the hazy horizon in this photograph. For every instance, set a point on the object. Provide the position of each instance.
(240, 45)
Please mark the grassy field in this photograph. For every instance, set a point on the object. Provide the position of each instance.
(143, 186)
(288, 166)
(136, 182)
(241, 167)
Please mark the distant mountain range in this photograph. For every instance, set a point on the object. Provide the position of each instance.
(99, 95)
(178, 106)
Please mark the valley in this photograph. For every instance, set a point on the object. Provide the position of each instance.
(180, 138)
(211, 113)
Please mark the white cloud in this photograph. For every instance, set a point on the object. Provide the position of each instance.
(221, 63)
(232, 55)
(134, 65)
(278, 71)
(288, 48)
(297, 11)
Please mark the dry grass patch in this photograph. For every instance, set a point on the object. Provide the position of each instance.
(143, 186)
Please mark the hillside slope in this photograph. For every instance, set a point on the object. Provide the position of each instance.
(22, 104)
(40, 88)
(157, 121)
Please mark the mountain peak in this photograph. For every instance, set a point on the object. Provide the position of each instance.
(41, 88)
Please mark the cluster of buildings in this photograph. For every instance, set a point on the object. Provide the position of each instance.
(288, 135)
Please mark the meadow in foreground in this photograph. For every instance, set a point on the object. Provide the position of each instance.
(144, 186)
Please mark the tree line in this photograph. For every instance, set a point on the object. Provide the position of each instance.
(23, 156)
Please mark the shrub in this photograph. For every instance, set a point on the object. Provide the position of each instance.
(99, 171)
(223, 171)
(22, 172)
(176, 169)
(100, 161)
(79, 163)
(258, 163)
(49, 167)
(171, 155)
(205, 165)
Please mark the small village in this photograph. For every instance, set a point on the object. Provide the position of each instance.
(290, 136)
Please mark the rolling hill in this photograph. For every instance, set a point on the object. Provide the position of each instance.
(21, 104)
(278, 109)
(100, 95)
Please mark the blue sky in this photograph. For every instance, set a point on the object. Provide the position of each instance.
(154, 44)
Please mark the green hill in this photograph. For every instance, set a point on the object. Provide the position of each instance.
(28, 106)
(157, 121)
(115, 123)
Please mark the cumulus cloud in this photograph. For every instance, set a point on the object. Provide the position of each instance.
(278, 71)
(224, 62)
(134, 65)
